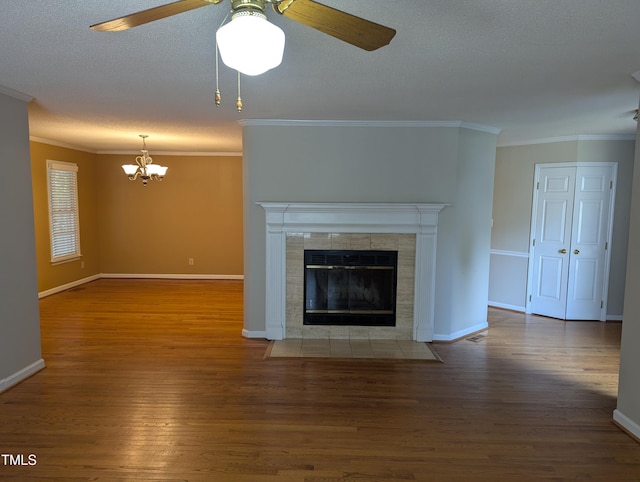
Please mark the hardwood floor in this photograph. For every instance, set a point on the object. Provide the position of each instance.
(152, 381)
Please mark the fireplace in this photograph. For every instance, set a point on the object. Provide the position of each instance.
(409, 229)
(350, 287)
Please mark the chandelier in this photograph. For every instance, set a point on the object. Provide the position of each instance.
(144, 167)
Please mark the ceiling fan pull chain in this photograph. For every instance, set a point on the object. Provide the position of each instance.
(239, 101)
(217, 97)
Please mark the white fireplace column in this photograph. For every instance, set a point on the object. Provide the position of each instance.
(420, 219)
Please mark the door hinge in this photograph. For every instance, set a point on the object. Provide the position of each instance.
(529, 298)
(534, 242)
(606, 245)
(610, 184)
(601, 304)
(538, 185)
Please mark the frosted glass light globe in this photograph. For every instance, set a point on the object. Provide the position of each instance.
(250, 44)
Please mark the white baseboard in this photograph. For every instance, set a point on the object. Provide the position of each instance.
(516, 254)
(254, 334)
(626, 424)
(82, 281)
(462, 333)
(67, 286)
(522, 309)
(173, 276)
(17, 377)
(506, 306)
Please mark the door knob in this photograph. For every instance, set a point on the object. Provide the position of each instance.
(562, 251)
(576, 251)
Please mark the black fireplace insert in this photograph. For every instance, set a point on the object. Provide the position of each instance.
(350, 287)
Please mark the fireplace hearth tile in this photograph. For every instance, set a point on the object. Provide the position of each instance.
(358, 332)
(340, 348)
(339, 332)
(340, 240)
(292, 348)
(345, 349)
(384, 241)
(360, 240)
(317, 241)
(383, 333)
(361, 349)
(316, 332)
(315, 348)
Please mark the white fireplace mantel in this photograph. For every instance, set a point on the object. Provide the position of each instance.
(420, 219)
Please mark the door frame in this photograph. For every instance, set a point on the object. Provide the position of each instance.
(534, 211)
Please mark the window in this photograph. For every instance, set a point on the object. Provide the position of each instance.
(64, 222)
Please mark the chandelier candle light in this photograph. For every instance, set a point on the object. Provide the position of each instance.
(144, 167)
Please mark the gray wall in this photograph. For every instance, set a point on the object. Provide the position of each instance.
(347, 163)
(19, 311)
(467, 264)
(512, 204)
(628, 407)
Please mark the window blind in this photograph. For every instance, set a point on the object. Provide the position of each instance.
(63, 210)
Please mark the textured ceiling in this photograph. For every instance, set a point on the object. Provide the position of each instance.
(531, 70)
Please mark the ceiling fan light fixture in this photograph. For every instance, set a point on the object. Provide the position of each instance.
(250, 44)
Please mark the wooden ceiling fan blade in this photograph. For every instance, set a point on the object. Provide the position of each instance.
(351, 29)
(150, 15)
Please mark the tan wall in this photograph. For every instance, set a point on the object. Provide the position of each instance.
(196, 212)
(51, 276)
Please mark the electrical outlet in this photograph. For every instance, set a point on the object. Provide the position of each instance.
(190, 261)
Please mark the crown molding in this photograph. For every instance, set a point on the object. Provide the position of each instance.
(481, 128)
(551, 140)
(60, 144)
(134, 152)
(15, 94)
(174, 153)
(366, 123)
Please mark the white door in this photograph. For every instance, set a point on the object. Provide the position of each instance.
(552, 240)
(571, 228)
(589, 242)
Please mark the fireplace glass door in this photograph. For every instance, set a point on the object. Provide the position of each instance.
(350, 287)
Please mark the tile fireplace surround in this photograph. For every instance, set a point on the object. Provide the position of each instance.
(410, 229)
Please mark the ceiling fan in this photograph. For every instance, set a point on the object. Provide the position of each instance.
(357, 31)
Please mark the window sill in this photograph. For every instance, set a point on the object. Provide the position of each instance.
(66, 260)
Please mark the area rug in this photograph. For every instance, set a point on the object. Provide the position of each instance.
(352, 349)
